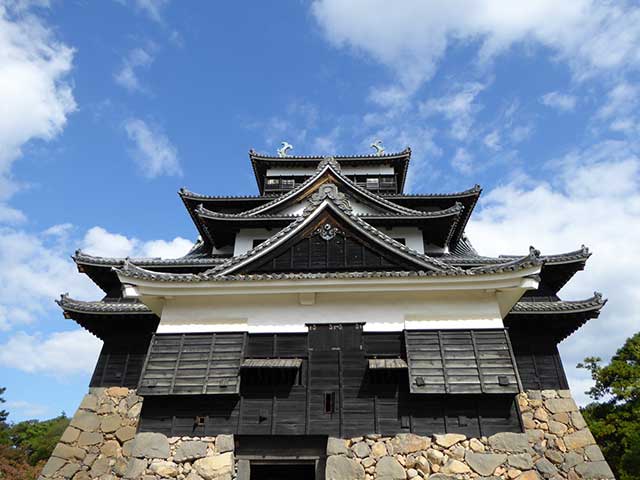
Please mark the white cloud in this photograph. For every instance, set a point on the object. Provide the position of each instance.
(620, 107)
(35, 92)
(154, 152)
(458, 107)
(59, 354)
(412, 36)
(35, 269)
(153, 8)
(127, 76)
(26, 409)
(492, 140)
(462, 161)
(594, 199)
(98, 241)
(560, 101)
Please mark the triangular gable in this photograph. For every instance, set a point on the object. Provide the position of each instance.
(329, 172)
(328, 228)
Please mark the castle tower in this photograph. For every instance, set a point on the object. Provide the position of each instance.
(330, 327)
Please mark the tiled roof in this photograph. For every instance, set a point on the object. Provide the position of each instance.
(562, 306)
(70, 304)
(85, 259)
(424, 264)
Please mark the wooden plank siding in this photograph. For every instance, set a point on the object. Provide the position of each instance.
(332, 393)
(539, 362)
(460, 362)
(192, 364)
(120, 361)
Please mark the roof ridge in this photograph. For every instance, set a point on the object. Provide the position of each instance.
(470, 191)
(456, 208)
(403, 153)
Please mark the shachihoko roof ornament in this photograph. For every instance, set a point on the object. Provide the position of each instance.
(282, 151)
(379, 148)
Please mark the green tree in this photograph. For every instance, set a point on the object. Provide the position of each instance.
(37, 439)
(614, 414)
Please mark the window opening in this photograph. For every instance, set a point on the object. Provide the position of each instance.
(329, 402)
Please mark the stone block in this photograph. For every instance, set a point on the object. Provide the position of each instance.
(190, 450)
(164, 468)
(117, 392)
(409, 443)
(70, 435)
(484, 463)
(85, 421)
(336, 446)
(135, 468)
(125, 434)
(89, 402)
(579, 439)
(455, 467)
(89, 438)
(594, 453)
(378, 450)
(521, 461)
(594, 470)
(100, 467)
(578, 420)
(110, 423)
(361, 449)
(68, 471)
(557, 428)
(545, 467)
(388, 468)
(218, 467)
(110, 448)
(509, 442)
(449, 439)
(530, 475)
(561, 405)
(225, 443)
(68, 452)
(150, 445)
(52, 466)
(554, 455)
(340, 467)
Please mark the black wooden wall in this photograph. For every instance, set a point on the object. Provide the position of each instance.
(333, 393)
(538, 360)
(120, 361)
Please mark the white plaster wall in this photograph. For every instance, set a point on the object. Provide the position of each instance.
(245, 238)
(412, 236)
(285, 313)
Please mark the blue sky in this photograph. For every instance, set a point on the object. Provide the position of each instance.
(108, 108)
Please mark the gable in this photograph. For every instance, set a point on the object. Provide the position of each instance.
(329, 244)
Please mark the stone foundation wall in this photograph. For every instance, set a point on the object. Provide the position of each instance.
(101, 443)
(556, 445)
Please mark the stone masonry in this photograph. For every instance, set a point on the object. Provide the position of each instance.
(101, 443)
